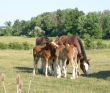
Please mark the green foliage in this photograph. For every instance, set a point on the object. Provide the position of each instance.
(3, 46)
(100, 44)
(90, 24)
(36, 32)
(91, 43)
(27, 46)
(88, 42)
(16, 45)
(62, 22)
(105, 22)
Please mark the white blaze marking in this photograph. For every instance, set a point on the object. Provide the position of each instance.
(86, 66)
(68, 45)
(54, 44)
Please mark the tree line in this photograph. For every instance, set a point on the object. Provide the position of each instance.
(62, 22)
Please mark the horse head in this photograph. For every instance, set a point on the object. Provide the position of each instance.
(84, 65)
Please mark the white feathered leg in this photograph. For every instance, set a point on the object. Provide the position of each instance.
(64, 68)
(36, 59)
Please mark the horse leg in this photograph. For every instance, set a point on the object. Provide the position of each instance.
(50, 69)
(73, 71)
(43, 65)
(64, 68)
(46, 67)
(78, 73)
(57, 69)
(36, 59)
(76, 67)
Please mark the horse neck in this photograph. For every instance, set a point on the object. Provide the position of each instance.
(82, 49)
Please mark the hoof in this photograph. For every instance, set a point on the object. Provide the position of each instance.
(72, 78)
(34, 73)
(46, 76)
(58, 76)
(64, 76)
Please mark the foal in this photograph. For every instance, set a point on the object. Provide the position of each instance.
(37, 54)
(47, 53)
(64, 53)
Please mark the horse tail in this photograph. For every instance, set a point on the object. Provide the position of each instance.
(83, 51)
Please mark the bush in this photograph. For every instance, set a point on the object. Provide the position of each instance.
(3, 46)
(89, 42)
(16, 45)
(26, 46)
(100, 44)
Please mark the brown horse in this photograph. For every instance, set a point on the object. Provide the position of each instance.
(76, 41)
(37, 51)
(64, 53)
(46, 53)
(42, 40)
(52, 53)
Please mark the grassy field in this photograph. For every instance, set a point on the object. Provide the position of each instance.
(13, 62)
(8, 39)
(21, 61)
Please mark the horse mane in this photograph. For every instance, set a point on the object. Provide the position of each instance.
(83, 50)
(41, 40)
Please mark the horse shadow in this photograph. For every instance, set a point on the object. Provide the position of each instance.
(100, 75)
(28, 70)
(24, 69)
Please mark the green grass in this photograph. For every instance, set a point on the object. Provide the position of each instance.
(8, 39)
(21, 61)
(14, 61)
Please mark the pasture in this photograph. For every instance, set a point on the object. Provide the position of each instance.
(13, 62)
(8, 39)
(21, 61)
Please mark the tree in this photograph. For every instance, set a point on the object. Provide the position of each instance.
(8, 28)
(37, 32)
(60, 21)
(17, 28)
(90, 24)
(47, 23)
(71, 21)
(105, 23)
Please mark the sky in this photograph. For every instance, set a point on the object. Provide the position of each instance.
(10, 10)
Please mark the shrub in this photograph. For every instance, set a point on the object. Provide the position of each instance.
(3, 46)
(15, 45)
(89, 42)
(27, 46)
(100, 44)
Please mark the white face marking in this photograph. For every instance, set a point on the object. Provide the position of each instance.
(54, 43)
(68, 45)
(86, 66)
